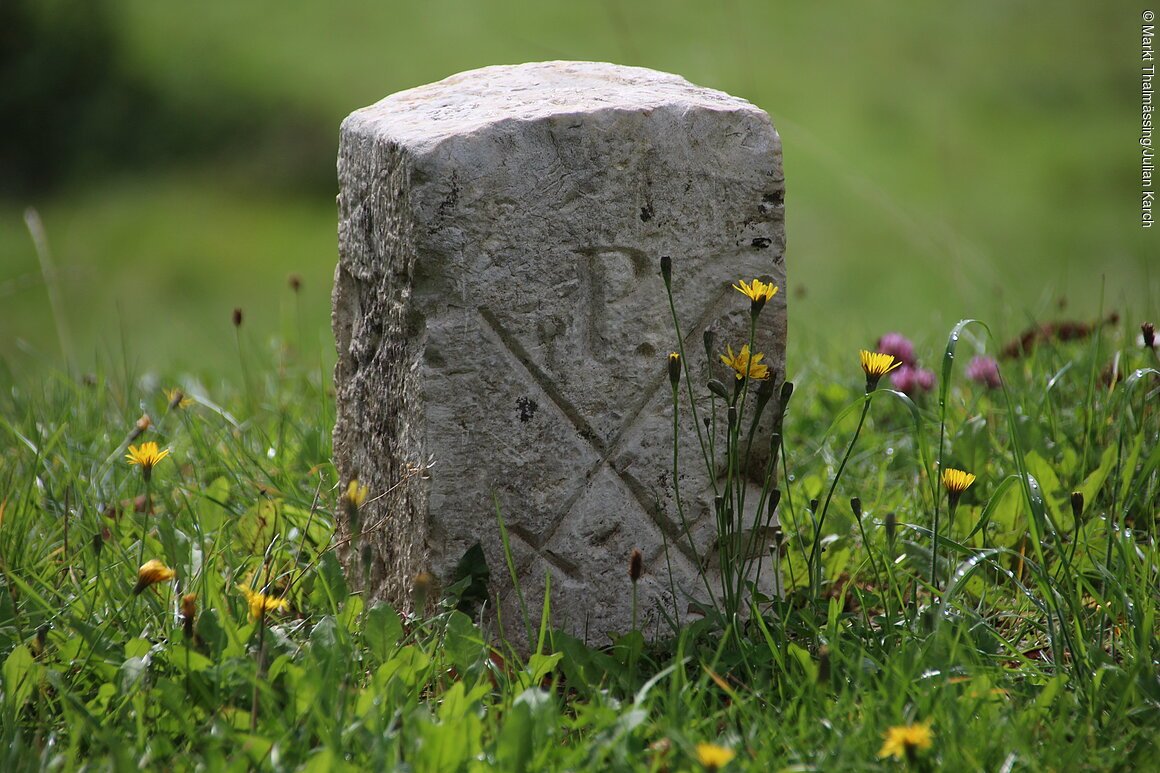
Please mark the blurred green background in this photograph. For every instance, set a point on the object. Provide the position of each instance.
(942, 160)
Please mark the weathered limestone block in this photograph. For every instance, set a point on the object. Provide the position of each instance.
(498, 307)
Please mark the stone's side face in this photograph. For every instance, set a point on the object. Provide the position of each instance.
(498, 307)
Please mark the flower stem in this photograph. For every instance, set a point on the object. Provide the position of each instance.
(680, 504)
(689, 387)
(145, 518)
(815, 574)
(858, 516)
(934, 545)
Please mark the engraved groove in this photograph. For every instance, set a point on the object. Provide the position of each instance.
(582, 426)
(512, 344)
(568, 568)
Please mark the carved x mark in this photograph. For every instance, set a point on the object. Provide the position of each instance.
(605, 451)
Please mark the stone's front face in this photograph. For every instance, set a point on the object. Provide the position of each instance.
(498, 306)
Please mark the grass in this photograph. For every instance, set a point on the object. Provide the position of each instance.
(1039, 652)
(946, 162)
(163, 263)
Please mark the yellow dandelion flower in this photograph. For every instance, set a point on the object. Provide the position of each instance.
(260, 603)
(759, 292)
(674, 368)
(356, 493)
(903, 741)
(744, 364)
(876, 365)
(422, 588)
(188, 612)
(151, 573)
(189, 605)
(147, 455)
(714, 757)
(957, 481)
(175, 398)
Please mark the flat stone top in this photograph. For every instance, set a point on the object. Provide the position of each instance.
(463, 103)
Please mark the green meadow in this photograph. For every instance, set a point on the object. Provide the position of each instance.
(181, 606)
(980, 160)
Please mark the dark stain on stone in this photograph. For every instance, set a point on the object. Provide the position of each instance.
(451, 199)
(771, 201)
(527, 408)
(761, 243)
(646, 213)
(363, 216)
